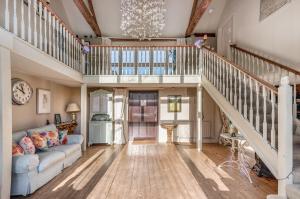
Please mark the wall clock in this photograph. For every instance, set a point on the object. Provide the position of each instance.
(21, 91)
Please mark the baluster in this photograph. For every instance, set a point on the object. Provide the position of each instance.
(231, 85)
(64, 44)
(192, 60)
(54, 37)
(240, 91)
(217, 73)
(224, 77)
(40, 25)
(102, 68)
(295, 97)
(188, 60)
(257, 122)
(29, 21)
(92, 72)
(184, 59)
(245, 96)
(235, 88)
(227, 81)
(265, 127)
(22, 21)
(57, 39)
(15, 18)
(34, 23)
(99, 60)
(273, 136)
(50, 33)
(45, 30)
(251, 102)
(6, 15)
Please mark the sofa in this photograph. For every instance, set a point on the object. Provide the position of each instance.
(31, 171)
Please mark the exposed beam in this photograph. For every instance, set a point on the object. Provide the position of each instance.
(201, 34)
(90, 3)
(88, 16)
(196, 16)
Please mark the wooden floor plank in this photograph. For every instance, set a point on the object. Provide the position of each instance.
(145, 169)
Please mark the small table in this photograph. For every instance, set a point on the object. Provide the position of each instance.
(240, 162)
(69, 126)
(170, 128)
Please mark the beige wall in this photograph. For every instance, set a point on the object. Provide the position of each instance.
(277, 35)
(25, 116)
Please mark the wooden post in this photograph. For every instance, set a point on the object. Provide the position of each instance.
(5, 123)
(285, 136)
(199, 117)
(83, 121)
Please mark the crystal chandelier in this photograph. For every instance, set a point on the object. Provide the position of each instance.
(142, 19)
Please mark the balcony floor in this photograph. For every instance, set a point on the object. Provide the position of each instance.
(145, 169)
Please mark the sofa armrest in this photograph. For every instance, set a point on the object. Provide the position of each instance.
(75, 139)
(25, 163)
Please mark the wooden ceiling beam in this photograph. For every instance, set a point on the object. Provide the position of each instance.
(196, 15)
(88, 16)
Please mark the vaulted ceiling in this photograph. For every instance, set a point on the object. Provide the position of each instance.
(109, 17)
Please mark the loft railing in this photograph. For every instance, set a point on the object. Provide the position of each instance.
(35, 22)
(142, 60)
(267, 69)
(254, 98)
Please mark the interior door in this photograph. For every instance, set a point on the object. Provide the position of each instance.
(143, 115)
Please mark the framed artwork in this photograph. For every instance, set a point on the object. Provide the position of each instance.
(57, 118)
(174, 103)
(43, 101)
(268, 7)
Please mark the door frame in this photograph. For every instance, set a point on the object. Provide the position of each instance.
(158, 109)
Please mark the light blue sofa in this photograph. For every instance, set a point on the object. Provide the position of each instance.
(31, 171)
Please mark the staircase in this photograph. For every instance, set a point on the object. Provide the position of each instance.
(249, 83)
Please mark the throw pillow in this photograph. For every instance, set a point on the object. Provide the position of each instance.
(17, 150)
(27, 145)
(52, 138)
(40, 141)
(63, 137)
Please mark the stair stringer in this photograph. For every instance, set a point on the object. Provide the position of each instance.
(263, 149)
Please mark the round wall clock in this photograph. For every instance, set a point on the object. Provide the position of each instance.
(21, 91)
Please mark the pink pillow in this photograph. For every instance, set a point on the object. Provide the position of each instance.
(17, 150)
(27, 145)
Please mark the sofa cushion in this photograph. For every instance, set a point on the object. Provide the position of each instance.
(50, 127)
(40, 141)
(47, 159)
(17, 136)
(67, 149)
(24, 163)
(27, 145)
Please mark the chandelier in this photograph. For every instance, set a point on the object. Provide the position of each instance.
(142, 19)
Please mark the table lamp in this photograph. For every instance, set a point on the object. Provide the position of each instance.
(73, 108)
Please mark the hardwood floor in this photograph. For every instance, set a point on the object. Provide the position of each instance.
(148, 170)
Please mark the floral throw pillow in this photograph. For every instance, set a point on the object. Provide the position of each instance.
(52, 138)
(17, 150)
(27, 145)
(63, 137)
(40, 141)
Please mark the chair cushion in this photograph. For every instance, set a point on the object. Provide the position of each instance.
(67, 149)
(47, 159)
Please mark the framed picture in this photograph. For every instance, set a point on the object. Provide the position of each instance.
(174, 103)
(57, 118)
(43, 101)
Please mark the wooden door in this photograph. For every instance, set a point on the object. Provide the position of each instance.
(143, 115)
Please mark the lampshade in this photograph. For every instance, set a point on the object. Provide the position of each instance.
(72, 107)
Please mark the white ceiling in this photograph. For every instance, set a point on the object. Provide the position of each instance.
(109, 17)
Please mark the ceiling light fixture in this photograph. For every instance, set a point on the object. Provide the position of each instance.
(142, 19)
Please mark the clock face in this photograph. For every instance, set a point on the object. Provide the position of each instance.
(21, 91)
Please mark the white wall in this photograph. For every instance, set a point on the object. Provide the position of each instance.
(185, 131)
(278, 35)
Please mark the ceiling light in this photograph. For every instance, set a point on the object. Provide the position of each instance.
(211, 10)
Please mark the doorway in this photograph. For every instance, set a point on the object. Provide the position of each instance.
(143, 115)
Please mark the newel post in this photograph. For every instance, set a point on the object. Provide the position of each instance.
(285, 136)
(199, 117)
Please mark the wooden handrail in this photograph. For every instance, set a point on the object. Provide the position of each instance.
(142, 46)
(49, 9)
(261, 81)
(290, 69)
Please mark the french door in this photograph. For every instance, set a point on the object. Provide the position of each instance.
(143, 114)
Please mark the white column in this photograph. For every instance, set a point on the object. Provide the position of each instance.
(199, 117)
(285, 136)
(83, 111)
(5, 123)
